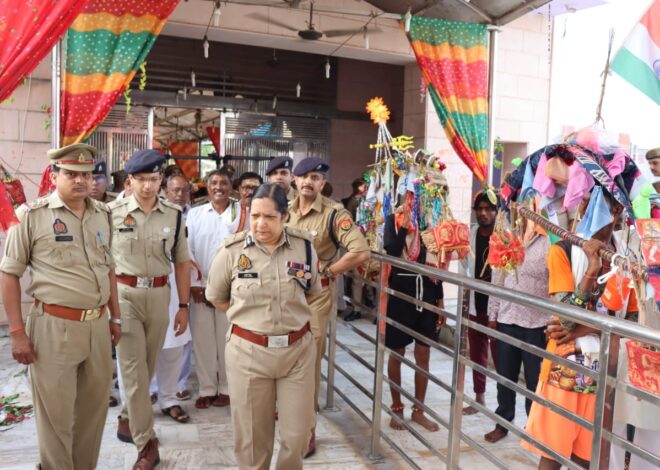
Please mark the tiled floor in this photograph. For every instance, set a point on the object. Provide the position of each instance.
(343, 438)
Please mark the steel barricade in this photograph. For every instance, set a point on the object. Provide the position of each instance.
(611, 330)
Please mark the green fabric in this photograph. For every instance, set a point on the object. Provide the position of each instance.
(637, 73)
(435, 31)
(101, 51)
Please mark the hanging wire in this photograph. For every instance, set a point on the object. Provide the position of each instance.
(606, 72)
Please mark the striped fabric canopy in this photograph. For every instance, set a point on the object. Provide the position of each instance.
(105, 47)
(453, 58)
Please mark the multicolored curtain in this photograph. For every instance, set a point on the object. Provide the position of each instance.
(28, 31)
(105, 47)
(453, 58)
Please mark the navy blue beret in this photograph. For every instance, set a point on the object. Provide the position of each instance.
(145, 161)
(311, 164)
(279, 162)
(100, 168)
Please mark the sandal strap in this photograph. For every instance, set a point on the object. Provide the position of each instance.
(397, 407)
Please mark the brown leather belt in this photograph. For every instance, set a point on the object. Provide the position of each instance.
(69, 313)
(142, 282)
(276, 341)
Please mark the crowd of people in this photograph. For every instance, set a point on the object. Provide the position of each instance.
(242, 288)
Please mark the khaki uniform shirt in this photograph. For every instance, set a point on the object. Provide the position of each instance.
(265, 290)
(317, 221)
(69, 258)
(291, 194)
(142, 243)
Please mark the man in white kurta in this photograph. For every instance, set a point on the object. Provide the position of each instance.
(208, 226)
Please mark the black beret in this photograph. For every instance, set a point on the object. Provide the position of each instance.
(100, 168)
(145, 161)
(311, 164)
(279, 162)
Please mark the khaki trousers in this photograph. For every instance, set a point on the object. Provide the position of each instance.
(322, 306)
(145, 316)
(208, 327)
(259, 376)
(70, 382)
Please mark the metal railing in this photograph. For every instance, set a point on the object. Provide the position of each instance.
(612, 331)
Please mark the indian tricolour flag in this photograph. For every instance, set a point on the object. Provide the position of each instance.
(638, 60)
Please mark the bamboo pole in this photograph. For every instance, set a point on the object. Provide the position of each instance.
(573, 239)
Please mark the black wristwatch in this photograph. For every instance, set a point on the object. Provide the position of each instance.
(186, 306)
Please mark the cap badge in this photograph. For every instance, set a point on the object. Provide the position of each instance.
(81, 158)
(318, 167)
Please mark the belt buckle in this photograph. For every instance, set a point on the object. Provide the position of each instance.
(279, 341)
(91, 314)
(144, 282)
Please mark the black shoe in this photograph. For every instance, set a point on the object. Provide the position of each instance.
(354, 315)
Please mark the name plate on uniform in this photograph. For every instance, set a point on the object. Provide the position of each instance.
(64, 238)
(248, 275)
(126, 229)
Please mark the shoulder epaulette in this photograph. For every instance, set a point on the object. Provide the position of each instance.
(171, 205)
(332, 203)
(118, 203)
(37, 203)
(233, 239)
(295, 232)
(100, 205)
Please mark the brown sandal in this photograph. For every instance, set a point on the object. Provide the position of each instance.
(176, 413)
(203, 403)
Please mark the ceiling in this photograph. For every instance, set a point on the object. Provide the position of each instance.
(497, 12)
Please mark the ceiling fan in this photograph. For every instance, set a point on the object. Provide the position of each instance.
(311, 33)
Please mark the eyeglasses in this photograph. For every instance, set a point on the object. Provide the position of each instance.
(145, 180)
(180, 190)
(249, 187)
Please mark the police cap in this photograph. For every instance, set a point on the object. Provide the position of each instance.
(145, 161)
(74, 157)
(311, 164)
(279, 162)
(100, 168)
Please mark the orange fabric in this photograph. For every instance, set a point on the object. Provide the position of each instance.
(190, 168)
(615, 294)
(560, 273)
(561, 434)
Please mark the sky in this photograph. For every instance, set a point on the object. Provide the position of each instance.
(580, 52)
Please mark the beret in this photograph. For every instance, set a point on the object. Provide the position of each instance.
(144, 161)
(311, 164)
(74, 157)
(279, 162)
(100, 168)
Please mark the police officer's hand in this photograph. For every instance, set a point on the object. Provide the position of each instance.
(22, 349)
(115, 333)
(181, 321)
(197, 294)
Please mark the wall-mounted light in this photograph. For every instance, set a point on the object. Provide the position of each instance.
(298, 90)
(193, 80)
(217, 13)
(274, 101)
(407, 18)
(365, 33)
(327, 67)
(185, 93)
(206, 46)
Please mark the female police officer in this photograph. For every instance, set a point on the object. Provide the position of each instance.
(261, 279)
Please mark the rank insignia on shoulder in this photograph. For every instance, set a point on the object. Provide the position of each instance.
(346, 224)
(129, 221)
(244, 263)
(59, 227)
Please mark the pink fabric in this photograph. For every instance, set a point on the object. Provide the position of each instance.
(615, 166)
(28, 31)
(542, 183)
(580, 183)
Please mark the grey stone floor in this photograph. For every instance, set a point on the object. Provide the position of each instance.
(343, 438)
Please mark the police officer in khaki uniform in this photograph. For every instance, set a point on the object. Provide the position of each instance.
(149, 235)
(65, 240)
(262, 278)
(331, 226)
(280, 171)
